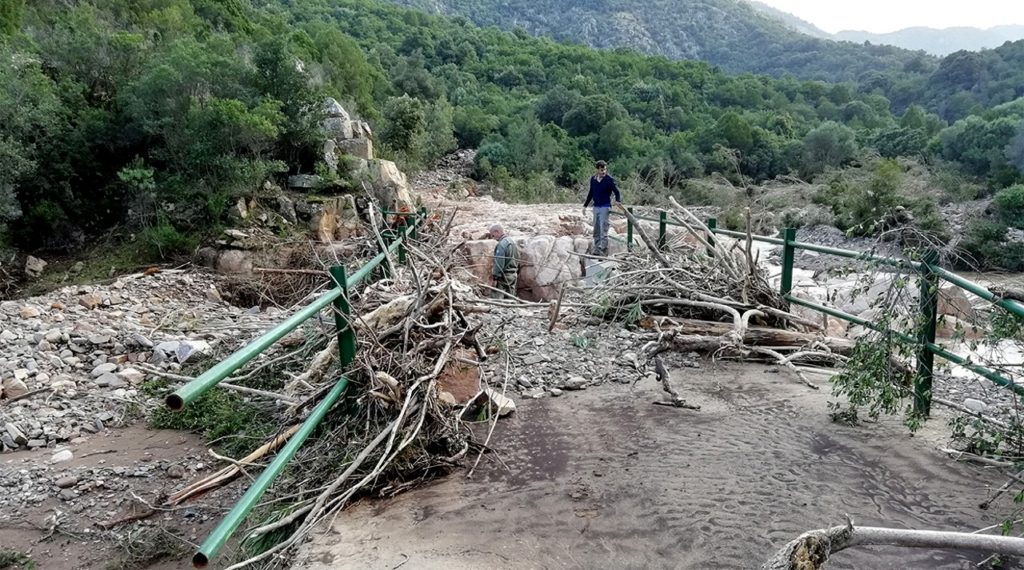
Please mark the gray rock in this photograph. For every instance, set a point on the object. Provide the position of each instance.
(131, 375)
(175, 472)
(34, 443)
(99, 339)
(68, 495)
(304, 181)
(525, 383)
(141, 340)
(575, 383)
(109, 380)
(105, 368)
(34, 266)
(555, 392)
(286, 208)
(66, 482)
(168, 347)
(90, 301)
(334, 109)
(8, 336)
(15, 433)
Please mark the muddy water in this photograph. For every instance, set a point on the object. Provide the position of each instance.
(604, 479)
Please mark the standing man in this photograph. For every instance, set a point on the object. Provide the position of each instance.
(602, 186)
(506, 261)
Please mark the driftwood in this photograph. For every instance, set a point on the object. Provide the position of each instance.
(665, 378)
(1008, 293)
(811, 550)
(703, 336)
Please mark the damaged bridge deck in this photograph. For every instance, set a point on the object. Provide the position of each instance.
(603, 479)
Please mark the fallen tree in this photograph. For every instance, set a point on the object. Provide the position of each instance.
(811, 550)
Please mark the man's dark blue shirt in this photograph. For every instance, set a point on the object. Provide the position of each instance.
(601, 192)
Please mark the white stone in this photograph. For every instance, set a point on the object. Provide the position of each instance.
(504, 403)
(976, 406)
(131, 375)
(29, 312)
(62, 456)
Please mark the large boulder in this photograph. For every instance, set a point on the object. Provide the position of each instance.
(390, 186)
(953, 301)
(360, 148)
(338, 129)
(336, 219)
(333, 109)
(545, 263)
(304, 181)
(234, 262)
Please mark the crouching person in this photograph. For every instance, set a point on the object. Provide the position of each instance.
(506, 262)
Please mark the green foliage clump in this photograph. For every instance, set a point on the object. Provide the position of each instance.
(1009, 206)
(829, 145)
(234, 424)
(986, 242)
(870, 380)
(14, 560)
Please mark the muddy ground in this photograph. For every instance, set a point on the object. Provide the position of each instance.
(604, 479)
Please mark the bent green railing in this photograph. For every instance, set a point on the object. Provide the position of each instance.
(338, 298)
(930, 275)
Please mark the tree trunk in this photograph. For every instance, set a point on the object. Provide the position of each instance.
(706, 335)
(812, 549)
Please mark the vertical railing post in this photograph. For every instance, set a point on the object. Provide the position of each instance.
(788, 256)
(401, 247)
(712, 225)
(342, 317)
(629, 230)
(662, 228)
(929, 303)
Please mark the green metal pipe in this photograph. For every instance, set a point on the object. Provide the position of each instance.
(980, 370)
(215, 541)
(848, 317)
(858, 255)
(1008, 304)
(189, 392)
(196, 388)
(755, 237)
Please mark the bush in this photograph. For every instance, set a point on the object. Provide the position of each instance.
(163, 241)
(1009, 205)
(986, 243)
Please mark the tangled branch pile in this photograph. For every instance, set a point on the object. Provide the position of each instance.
(393, 428)
(710, 294)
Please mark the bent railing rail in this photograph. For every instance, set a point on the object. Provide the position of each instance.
(338, 298)
(930, 275)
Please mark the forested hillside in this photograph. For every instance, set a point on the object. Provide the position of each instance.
(727, 33)
(151, 116)
(740, 38)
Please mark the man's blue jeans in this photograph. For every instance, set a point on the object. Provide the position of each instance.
(601, 221)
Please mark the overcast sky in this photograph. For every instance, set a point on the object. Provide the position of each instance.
(889, 15)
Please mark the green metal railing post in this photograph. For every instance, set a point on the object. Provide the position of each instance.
(629, 230)
(401, 250)
(929, 303)
(662, 228)
(342, 314)
(788, 255)
(712, 225)
(220, 535)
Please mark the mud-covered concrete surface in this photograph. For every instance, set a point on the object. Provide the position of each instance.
(604, 479)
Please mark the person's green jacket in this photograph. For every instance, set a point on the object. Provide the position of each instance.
(506, 258)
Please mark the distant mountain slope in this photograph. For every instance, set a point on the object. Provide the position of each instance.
(793, 22)
(939, 42)
(731, 34)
